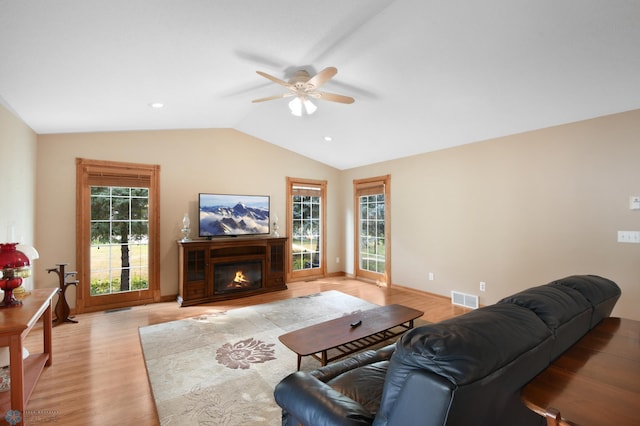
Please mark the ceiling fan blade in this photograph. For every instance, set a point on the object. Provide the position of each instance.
(321, 78)
(271, 98)
(274, 79)
(325, 96)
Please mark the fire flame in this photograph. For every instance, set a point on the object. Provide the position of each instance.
(240, 278)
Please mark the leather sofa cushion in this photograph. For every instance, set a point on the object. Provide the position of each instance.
(554, 306)
(370, 356)
(602, 296)
(469, 347)
(593, 293)
(363, 384)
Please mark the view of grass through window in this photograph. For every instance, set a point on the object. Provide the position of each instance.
(119, 239)
(372, 241)
(306, 232)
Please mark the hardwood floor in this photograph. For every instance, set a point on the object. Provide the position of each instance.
(98, 375)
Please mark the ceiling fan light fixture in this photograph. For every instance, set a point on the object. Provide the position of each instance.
(297, 103)
(296, 106)
(309, 106)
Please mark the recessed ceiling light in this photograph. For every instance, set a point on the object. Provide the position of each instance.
(328, 138)
(156, 105)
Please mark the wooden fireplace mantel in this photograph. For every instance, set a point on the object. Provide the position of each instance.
(197, 260)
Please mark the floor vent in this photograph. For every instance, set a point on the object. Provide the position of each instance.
(466, 300)
(109, 311)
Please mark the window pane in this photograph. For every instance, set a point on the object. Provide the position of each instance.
(100, 208)
(306, 227)
(100, 190)
(139, 231)
(119, 239)
(372, 243)
(140, 192)
(139, 208)
(120, 208)
(119, 192)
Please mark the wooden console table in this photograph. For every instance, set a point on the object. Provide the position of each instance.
(595, 382)
(15, 323)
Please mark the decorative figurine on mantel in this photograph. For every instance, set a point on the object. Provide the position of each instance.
(62, 307)
(14, 266)
(275, 226)
(186, 230)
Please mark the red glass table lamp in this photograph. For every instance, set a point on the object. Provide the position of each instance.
(14, 266)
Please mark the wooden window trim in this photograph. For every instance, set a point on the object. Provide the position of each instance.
(322, 185)
(110, 173)
(370, 186)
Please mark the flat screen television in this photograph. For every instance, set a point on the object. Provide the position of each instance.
(228, 215)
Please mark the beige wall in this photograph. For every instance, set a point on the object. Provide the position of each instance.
(517, 211)
(18, 183)
(191, 161)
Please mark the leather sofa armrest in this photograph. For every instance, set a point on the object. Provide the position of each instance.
(313, 402)
(333, 370)
(411, 404)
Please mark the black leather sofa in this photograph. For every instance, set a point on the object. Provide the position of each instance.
(466, 370)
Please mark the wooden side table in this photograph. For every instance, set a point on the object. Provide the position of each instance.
(596, 382)
(15, 323)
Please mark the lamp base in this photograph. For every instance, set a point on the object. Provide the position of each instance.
(9, 301)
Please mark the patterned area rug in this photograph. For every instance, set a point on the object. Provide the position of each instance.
(221, 369)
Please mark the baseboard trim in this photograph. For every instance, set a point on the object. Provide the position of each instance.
(420, 292)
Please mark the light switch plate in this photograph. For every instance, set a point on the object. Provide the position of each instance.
(629, 237)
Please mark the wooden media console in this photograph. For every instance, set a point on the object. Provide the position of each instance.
(228, 268)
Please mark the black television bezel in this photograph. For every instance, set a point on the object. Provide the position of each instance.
(251, 235)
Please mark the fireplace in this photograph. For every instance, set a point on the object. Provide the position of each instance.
(237, 276)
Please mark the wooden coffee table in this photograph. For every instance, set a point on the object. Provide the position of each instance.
(377, 325)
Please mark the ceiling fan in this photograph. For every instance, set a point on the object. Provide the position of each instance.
(302, 86)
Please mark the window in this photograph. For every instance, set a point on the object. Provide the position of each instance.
(117, 234)
(306, 212)
(119, 239)
(372, 242)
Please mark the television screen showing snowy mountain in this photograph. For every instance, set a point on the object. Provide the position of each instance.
(224, 214)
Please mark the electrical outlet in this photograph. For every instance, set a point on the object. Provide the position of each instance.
(629, 237)
(337, 259)
(483, 286)
(431, 276)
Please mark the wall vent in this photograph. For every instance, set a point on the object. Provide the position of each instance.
(466, 300)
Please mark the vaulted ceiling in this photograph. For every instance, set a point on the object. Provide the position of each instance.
(426, 74)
